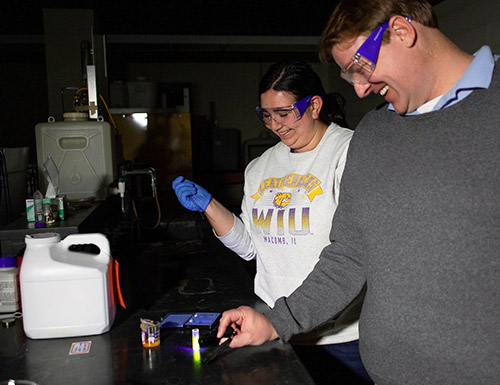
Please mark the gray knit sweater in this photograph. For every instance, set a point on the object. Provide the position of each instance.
(419, 222)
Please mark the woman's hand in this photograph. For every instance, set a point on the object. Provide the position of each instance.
(190, 195)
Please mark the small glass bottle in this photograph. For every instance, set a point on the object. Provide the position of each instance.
(38, 206)
(47, 211)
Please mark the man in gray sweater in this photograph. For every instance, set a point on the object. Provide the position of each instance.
(418, 221)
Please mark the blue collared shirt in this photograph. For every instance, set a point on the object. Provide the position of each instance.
(477, 75)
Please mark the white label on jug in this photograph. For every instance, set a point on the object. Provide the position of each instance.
(9, 297)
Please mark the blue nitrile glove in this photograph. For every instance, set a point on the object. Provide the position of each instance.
(190, 195)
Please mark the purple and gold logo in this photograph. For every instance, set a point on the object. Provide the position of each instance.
(281, 200)
(310, 183)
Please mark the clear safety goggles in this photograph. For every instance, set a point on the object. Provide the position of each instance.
(361, 67)
(284, 115)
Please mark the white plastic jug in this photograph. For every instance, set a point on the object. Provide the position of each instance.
(66, 293)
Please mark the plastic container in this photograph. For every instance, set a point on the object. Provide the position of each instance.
(118, 93)
(83, 152)
(66, 293)
(142, 94)
(150, 333)
(9, 284)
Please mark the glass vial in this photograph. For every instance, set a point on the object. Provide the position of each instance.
(38, 206)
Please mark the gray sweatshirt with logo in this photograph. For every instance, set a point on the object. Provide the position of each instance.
(419, 223)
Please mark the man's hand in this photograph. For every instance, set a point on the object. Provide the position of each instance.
(251, 327)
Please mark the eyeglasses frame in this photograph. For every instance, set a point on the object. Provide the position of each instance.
(300, 105)
(367, 54)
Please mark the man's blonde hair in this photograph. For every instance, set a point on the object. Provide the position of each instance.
(353, 18)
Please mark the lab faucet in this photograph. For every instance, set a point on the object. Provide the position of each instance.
(121, 190)
(144, 171)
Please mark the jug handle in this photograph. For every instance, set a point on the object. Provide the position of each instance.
(97, 239)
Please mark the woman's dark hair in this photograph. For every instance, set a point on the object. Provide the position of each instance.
(298, 78)
(334, 106)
